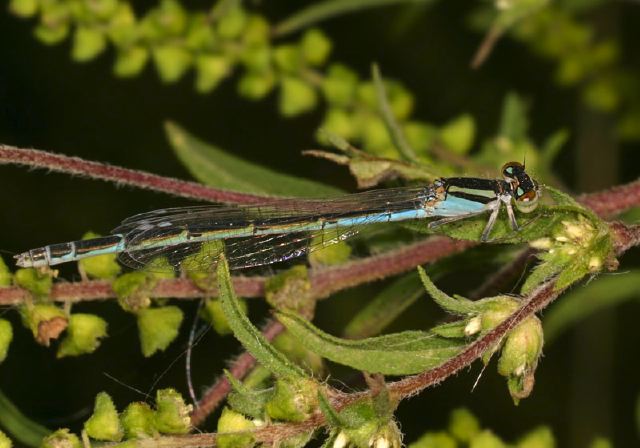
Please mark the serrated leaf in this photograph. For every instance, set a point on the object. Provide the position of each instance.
(247, 333)
(20, 427)
(217, 168)
(395, 354)
(458, 306)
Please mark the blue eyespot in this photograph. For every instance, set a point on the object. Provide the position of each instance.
(519, 191)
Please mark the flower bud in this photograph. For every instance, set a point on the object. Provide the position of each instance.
(104, 423)
(83, 335)
(172, 414)
(158, 327)
(232, 421)
(61, 438)
(45, 321)
(138, 421)
(100, 266)
(293, 400)
(519, 357)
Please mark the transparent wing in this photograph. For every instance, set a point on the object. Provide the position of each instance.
(253, 235)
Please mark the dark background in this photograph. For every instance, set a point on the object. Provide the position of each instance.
(587, 382)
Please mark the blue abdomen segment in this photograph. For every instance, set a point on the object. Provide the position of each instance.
(456, 206)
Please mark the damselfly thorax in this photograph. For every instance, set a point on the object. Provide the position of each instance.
(255, 235)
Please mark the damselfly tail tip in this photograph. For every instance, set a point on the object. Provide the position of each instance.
(23, 260)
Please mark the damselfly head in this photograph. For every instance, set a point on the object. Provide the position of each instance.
(524, 190)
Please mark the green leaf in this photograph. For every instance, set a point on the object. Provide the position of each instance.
(395, 131)
(214, 167)
(604, 292)
(385, 307)
(324, 10)
(247, 334)
(83, 335)
(104, 423)
(452, 305)
(458, 134)
(158, 327)
(246, 400)
(20, 427)
(394, 354)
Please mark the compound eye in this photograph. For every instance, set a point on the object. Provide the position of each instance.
(511, 170)
(526, 202)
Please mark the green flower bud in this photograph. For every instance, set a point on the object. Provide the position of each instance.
(289, 290)
(287, 58)
(38, 282)
(5, 442)
(104, 423)
(541, 437)
(519, 357)
(232, 421)
(420, 135)
(6, 335)
(133, 289)
(435, 440)
(24, 8)
(389, 436)
(212, 313)
(367, 95)
(232, 23)
(495, 310)
(130, 61)
(102, 9)
(337, 122)
(257, 31)
(210, 71)
(138, 421)
(122, 29)
(293, 400)
(200, 34)
(602, 95)
(256, 86)
(463, 425)
(51, 35)
(571, 70)
(5, 274)
(458, 134)
(487, 439)
(158, 327)
(400, 100)
(171, 61)
(172, 414)
(257, 58)
(83, 335)
(62, 438)
(100, 266)
(339, 86)
(315, 47)
(296, 97)
(45, 321)
(170, 17)
(376, 137)
(54, 22)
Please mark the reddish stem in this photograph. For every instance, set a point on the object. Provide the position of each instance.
(123, 176)
(243, 364)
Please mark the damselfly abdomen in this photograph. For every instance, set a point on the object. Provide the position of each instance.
(255, 235)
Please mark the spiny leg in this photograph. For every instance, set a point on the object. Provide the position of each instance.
(512, 216)
(491, 222)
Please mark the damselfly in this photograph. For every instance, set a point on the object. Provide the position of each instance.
(255, 235)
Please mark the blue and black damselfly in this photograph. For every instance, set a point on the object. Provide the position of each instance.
(255, 235)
